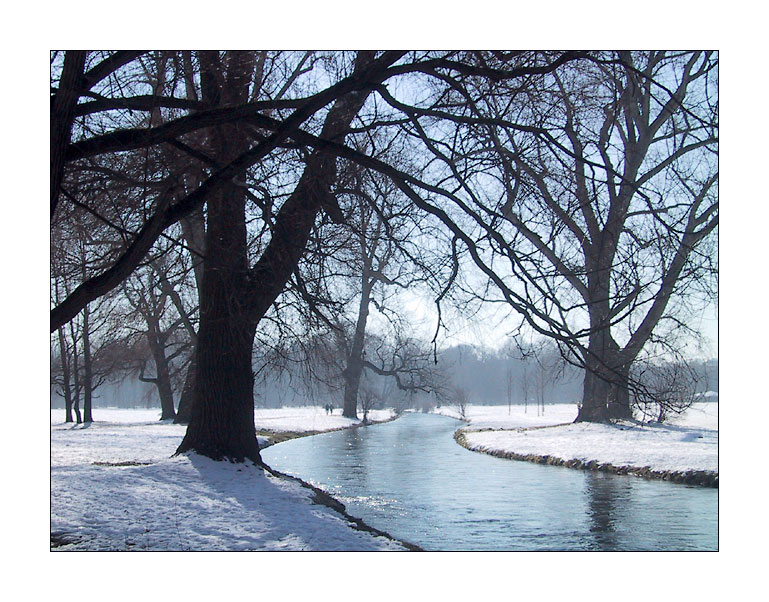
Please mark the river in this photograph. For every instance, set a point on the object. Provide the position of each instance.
(410, 478)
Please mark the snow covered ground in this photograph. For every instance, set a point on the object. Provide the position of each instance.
(688, 443)
(115, 486)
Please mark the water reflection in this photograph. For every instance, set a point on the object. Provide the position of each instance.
(607, 500)
(410, 478)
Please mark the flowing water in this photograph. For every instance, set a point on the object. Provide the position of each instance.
(410, 478)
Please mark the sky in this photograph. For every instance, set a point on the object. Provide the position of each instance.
(492, 325)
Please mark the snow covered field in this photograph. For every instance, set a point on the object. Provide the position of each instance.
(688, 443)
(114, 486)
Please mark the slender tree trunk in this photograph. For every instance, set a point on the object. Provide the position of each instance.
(76, 408)
(354, 370)
(184, 412)
(194, 231)
(75, 376)
(87, 369)
(162, 375)
(65, 375)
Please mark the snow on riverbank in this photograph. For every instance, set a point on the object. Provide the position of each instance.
(114, 486)
(310, 418)
(688, 443)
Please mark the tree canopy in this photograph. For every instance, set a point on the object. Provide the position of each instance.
(578, 188)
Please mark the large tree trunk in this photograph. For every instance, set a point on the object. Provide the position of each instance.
(595, 395)
(352, 375)
(222, 415)
(599, 357)
(605, 393)
(222, 421)
(619, 396)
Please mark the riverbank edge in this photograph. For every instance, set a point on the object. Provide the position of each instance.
(701, 478)
(275, 437)
(325, 499)
(322, 497)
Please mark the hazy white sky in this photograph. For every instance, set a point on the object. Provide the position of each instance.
(491, 327)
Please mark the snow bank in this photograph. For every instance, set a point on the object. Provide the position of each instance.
(311, 418)
(687, 443)
(497, 417)
(114, 486)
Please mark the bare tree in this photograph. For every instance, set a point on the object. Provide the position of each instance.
(668, 389)
(164, 323)
(382, 256)
(235, 297)
(460, 397)
(369, 399)
(87, 354)
(63, 376)
(593, 195)
(629, 237)
(261, 143)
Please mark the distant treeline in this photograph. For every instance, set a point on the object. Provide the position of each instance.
(489, 377)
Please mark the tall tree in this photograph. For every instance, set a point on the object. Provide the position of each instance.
(164, 323)
(588, 198)
(86, 352)
(234, 296)
(384, 253)
(613, 209)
